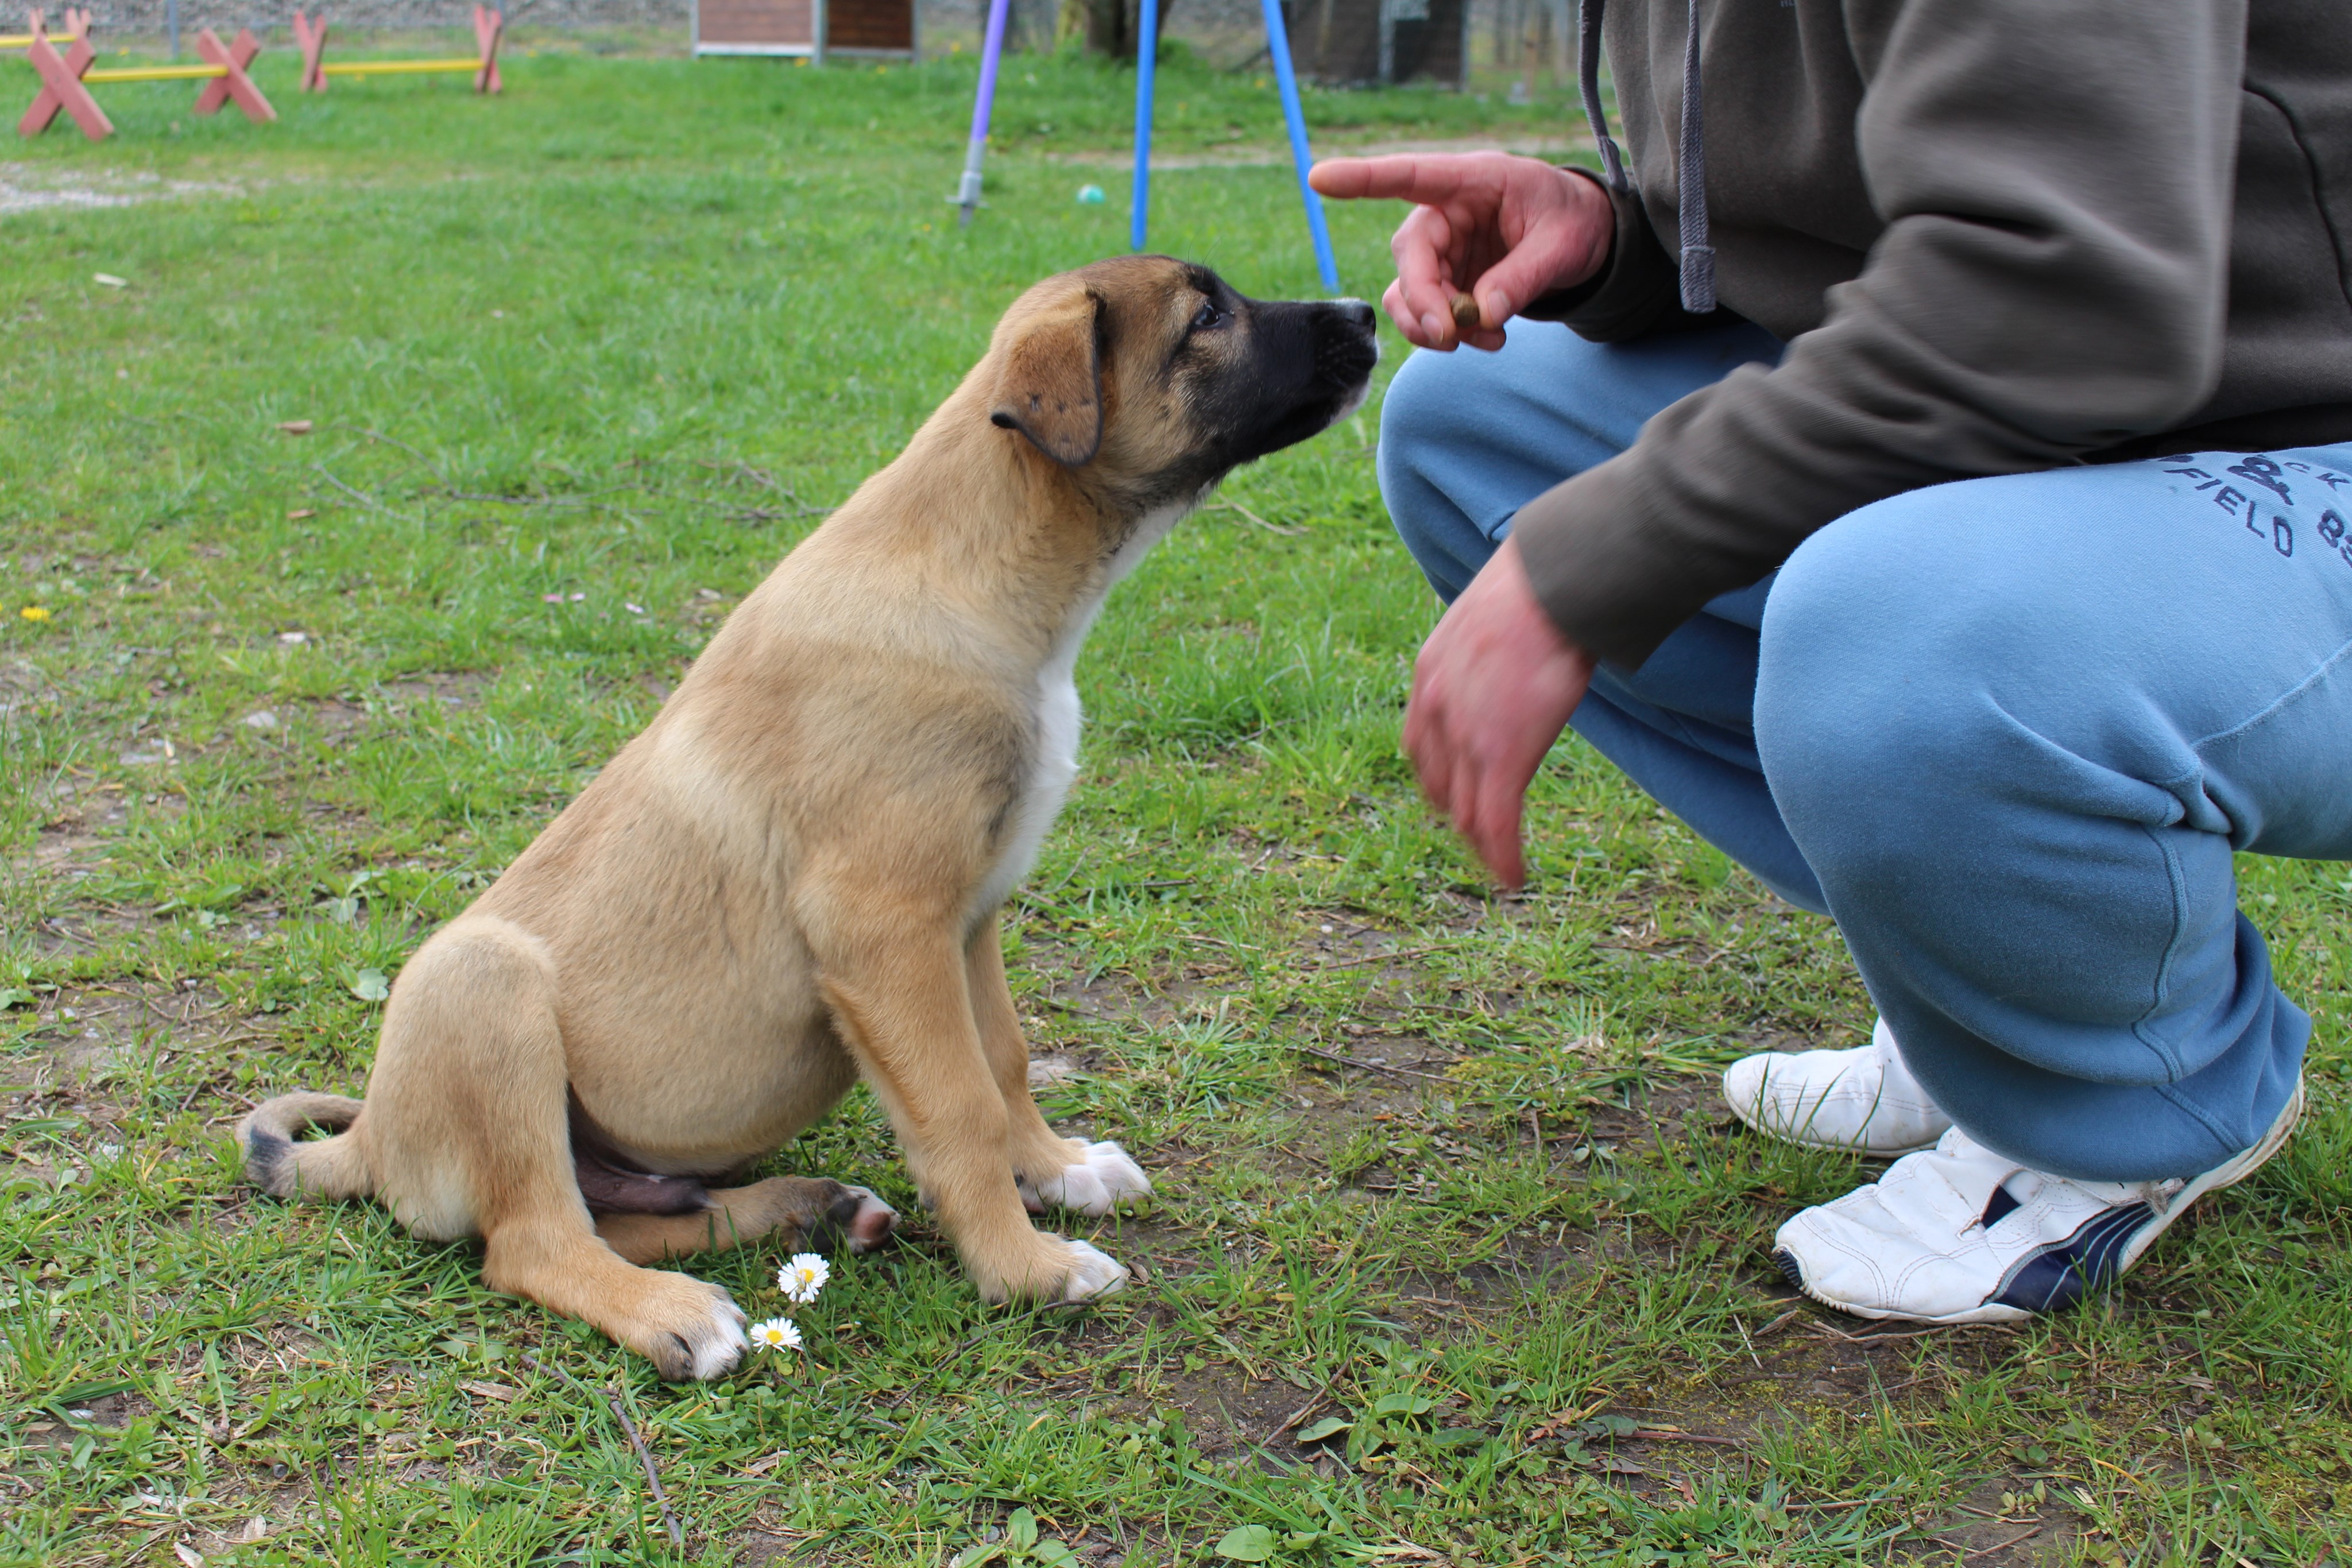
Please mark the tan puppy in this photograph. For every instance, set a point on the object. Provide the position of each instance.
(791, 880)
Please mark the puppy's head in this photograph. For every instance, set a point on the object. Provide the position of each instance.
(1150, 379)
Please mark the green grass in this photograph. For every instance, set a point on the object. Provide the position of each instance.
(620, 335)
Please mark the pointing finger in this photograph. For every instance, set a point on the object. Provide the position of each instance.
(1401, 178)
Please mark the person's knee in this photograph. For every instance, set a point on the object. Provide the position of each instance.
(1933, 667)
(1872, 713)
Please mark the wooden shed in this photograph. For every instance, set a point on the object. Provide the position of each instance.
(1353, 42)
(884, 29)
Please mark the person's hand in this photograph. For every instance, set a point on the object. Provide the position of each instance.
(1505, 230)
(1493, 688)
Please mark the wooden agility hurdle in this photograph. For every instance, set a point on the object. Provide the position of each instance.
(76, 26)
(66, 78)
(489, 29)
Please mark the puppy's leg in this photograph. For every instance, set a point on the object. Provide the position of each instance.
(1065, 1173)
(902, 1002)
(467, 1113)
(793, 1211)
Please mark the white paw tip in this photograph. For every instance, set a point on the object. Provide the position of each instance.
(1118, 1169)
(1093, 1273)
(1097, 1185)
(724, 1346)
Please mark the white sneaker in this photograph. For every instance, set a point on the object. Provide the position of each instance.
(1962, 1235)
(1863, 1099)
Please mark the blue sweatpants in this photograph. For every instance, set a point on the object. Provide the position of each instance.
(2007, 731)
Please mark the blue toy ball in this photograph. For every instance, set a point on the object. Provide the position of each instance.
(1091, 196)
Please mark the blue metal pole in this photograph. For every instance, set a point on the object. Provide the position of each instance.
(1277, 44)
(1147, 62)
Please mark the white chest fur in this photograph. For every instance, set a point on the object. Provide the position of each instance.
(1054, 763)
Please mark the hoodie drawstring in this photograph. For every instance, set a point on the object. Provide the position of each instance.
(1697, 265)
(1588, 82)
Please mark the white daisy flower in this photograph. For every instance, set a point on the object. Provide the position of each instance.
(803, 1278)
(776, 1333)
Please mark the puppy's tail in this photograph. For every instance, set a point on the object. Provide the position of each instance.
(327, 1167)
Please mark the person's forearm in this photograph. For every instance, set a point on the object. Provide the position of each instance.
(2033, 297)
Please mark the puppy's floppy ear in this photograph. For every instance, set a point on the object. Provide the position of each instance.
(1049, 387)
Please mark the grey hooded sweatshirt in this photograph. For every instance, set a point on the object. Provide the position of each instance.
(1998, 236)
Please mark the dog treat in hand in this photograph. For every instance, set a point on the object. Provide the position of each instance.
(1465, 312)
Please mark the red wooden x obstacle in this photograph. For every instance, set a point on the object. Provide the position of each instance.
(489, 26)
(490, 30)
(61, 88)
(310, 37)
(232, 84)
(65, 78)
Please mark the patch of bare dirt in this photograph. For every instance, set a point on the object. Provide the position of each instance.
(451, 690)
(82, 817)
(29, 188)
(66, 1092)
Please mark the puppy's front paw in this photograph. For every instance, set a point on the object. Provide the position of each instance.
(1092, 1274)
(689, 1329)
(1097, 1182)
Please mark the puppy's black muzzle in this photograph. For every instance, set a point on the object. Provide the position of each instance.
(1309, 364)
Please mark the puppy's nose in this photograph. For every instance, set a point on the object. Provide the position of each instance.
(1357, 314)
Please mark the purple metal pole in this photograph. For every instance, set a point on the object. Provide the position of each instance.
(967, 194)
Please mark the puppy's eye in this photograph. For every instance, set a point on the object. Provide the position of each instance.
(1208, 316)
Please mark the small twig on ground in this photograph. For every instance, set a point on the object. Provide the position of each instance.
(1221, 942)
(391, 441)
(645, 1458)
(1965, 1554)
(1781, 1321)
(1382, 956)
(1749, 1343)
(644, 1455)
(758, 476)
(362, 496)
(1821, 1328)
(1304, 1411)
(1362, 1065)
(767, 481)
(584, 503)
(1252, 516)
(769, 515)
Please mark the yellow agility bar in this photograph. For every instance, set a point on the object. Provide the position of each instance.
(397, 68)
(156, 73)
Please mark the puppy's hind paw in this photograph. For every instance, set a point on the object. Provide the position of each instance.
(1092, 1275)
(862, 1220)
(1096, 1183)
